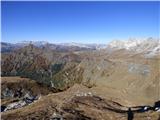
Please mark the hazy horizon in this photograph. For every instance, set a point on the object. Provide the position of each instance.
(107, 42)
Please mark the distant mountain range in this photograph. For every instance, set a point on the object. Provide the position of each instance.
(8, 47)
(150, 46)
(129, 69)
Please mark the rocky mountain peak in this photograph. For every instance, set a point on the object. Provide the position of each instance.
(147, 45)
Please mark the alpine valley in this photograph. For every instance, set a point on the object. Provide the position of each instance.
(75, 81)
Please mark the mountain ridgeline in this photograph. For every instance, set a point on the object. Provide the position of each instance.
(43, 65)
(129, 67)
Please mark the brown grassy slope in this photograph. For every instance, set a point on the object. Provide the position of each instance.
(131, 80)
(15, 83)
(74, 107)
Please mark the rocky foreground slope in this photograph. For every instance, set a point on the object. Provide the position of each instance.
(76, 103)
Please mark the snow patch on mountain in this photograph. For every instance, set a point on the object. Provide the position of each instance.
(149, 46)
(91, 46)
(36, 43)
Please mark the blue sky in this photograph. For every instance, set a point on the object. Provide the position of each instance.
(83, 22)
